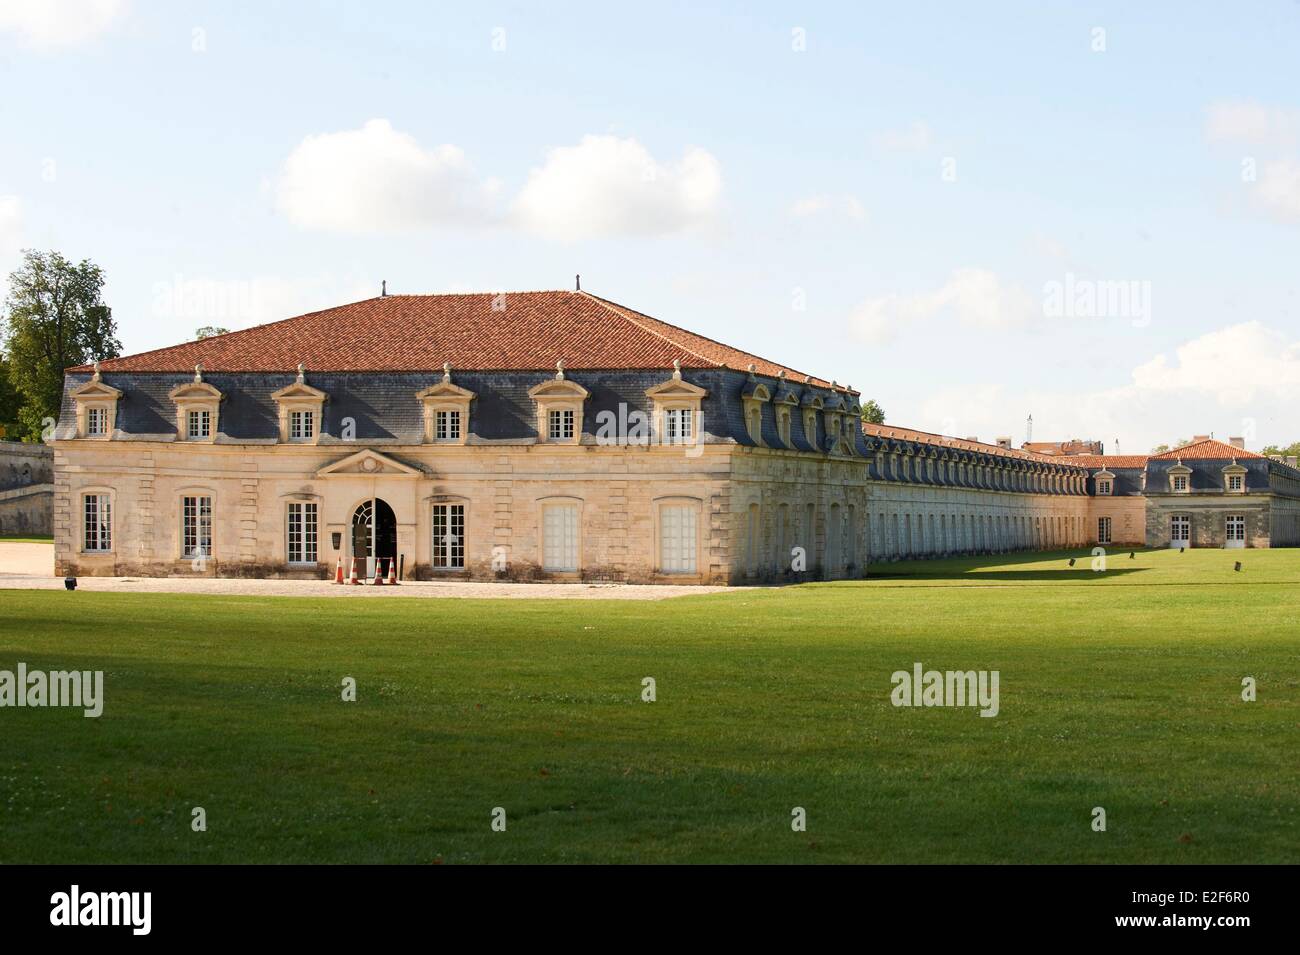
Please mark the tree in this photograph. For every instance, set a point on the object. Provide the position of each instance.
(209, 331)
(872, 413)
(1162, 448)
(10, 402)
(54, 318)
(1291, 450)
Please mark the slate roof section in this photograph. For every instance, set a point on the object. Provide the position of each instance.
(508, 331)
(926, 437)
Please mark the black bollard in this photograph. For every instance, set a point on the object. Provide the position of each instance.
(69, 583)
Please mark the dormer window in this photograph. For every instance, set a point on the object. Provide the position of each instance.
(446, 410)
(302, 425)
(197, 408)
(559, 408)
(752, 397)
(446, 426)
(198, 425)
(679, 425)
(1234, 478)
(560, 427)
(300, 410)
(96, 405)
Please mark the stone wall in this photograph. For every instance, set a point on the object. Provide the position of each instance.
(26, 489)
(1208, 515)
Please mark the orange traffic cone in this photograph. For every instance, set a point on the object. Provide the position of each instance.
(392, 572)
(354, 581)
(379, 573)
(338, 572)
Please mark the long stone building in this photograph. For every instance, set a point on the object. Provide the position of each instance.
(545, 435)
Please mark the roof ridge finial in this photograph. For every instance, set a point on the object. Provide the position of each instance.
(677, 369)
(95, 377)
(198, 373)
(302, 373)
(446, 372)
(751, 369)
(807, 379)
(559, 370)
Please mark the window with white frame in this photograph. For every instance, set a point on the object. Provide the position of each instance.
(1103, 485)
(1180, 482)
(196, 526)
(677, 539)
(560, 424)
(448, 536)
(199, 424)
(1236, 527)
(96, 422)
(679, 424)
(1103, 530)
(446, 425)
(98, 525)
(302, 532)
(560, 537)
(302, 425)
(1236, 482)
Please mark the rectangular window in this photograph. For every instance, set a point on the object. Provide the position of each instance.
(447, 425)
(196, 526)
(1180, 482)
(200, 423)
(96, 421)
(560, 537)
(677, 539)
(1235, 482)
(680, 424)
(1103, 530)
(1103, 487)
(302, 533)
(560, 425)
(98, 523)
(302, 425)
(1236, 527)
(449, 535)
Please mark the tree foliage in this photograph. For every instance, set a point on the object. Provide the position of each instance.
(872, 413)
(54, 318)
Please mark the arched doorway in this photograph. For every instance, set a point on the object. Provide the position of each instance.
(374, 534)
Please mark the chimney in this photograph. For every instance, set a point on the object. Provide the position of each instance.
(1238, 443)
(1200, 437)
(1291, 460)
(974, 439)
(1004, 442)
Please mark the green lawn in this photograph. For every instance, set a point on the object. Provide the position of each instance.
(37, 539)
(1120, 690)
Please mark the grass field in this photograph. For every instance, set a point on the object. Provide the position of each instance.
(1119, 689)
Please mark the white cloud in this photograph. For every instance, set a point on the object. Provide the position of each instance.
(1278, 190)
(914, 138)
(607, 186)
(376, 179)
(1232, 381)
(816, 205)
(1247, 121)
(974, 297)
(54, 24)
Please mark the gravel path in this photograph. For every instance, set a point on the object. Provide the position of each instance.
(31, 566)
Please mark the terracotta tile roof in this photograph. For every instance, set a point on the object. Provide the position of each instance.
(927, 437)
(420, 332)
(1110, 461)
(1207, 448)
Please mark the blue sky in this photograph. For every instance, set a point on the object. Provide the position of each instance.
(880, 194)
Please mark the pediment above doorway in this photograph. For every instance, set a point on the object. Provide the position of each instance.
(368, 463)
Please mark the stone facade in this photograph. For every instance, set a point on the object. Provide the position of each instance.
(692, 471)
